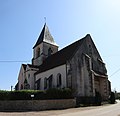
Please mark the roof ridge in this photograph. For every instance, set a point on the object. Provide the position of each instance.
(71, 44)
(61, 56)
(33, 66)
(24, 66)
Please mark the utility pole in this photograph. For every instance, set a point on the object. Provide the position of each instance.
(11, 87)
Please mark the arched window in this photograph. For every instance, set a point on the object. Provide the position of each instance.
(38, 52)
(38, 83)
(50, 81)
(45, 83)
(59, 80)
(49, 51)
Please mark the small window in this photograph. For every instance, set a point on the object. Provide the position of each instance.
(90, 50)
(50, 79)
(59, 80)
(38, 52)
(49, 51)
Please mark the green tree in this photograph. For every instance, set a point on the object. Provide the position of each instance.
(112, 98)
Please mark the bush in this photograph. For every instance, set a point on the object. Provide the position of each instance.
(4, 95)
(38, 95)
(98, 98)
(112, 98)
(58, 93)
(89, 100)
(19, 95)
(85, 101)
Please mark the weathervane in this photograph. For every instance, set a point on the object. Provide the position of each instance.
(45, 19)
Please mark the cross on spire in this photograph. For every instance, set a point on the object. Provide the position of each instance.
(45, 19)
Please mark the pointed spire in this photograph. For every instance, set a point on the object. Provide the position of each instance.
(45, 36)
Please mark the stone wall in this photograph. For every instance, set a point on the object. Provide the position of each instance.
(36, 105)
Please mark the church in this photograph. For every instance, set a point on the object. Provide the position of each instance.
(78, 66)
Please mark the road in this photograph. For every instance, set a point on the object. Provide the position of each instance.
(106, 110)
(111, 110)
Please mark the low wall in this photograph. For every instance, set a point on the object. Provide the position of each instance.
(36, 105)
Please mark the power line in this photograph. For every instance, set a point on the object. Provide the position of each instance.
(11, 61)
(20, 61)
(115, 72)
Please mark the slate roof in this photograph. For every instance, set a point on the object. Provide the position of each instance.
(61, 56)
(45, 36)
(32, 66)
(24, 66)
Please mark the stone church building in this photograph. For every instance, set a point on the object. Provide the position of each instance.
(78, 66)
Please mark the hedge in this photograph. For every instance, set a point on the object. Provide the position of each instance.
(112, 98)
(38, 95)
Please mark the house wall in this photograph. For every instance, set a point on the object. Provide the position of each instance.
(88, 77)
(46, 46)
(101, 86)
(21, 78)
(84, 62)
(104, 88)
(80, 74)
(35, 54)
(38, 59)
(98, 67)
(55, 71)
(30, 76)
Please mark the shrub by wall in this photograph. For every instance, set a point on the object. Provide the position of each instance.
(112, 98)
(38, 95)
(58, 94)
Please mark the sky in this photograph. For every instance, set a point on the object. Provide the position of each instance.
(21, 22)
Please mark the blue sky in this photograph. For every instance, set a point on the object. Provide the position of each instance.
(21, 22)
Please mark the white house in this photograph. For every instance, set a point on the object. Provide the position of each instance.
(78, 66)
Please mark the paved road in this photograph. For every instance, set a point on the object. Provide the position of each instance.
(107, 110)
(111, 110)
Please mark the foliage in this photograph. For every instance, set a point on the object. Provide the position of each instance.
(85, 100)
(38, 95)
(4, 95)
(117, 95)
(58, 93)
(89, 100)
(112, 98)
(98, 98)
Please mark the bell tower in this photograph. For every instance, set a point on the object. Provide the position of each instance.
(44, 47)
